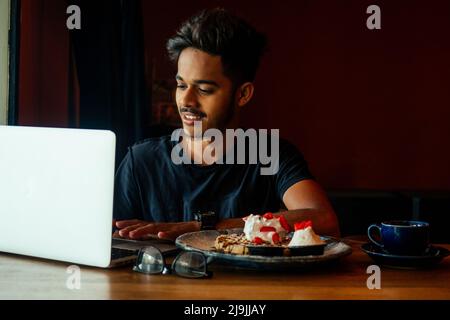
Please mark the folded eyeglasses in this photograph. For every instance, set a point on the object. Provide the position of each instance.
(188, 264)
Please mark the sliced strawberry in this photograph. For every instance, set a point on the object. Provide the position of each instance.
(299, 225)
(284, 223)
(267, 229)
(258, 240)
(268, 215)
(302, 225)
(276, 238)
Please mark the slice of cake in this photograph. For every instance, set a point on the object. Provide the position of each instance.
(266, 229)
(304, 235)
(263, 234)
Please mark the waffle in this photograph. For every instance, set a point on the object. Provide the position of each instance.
(232, 243)
(238, 244)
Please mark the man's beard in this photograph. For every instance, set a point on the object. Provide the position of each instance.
(228, 117)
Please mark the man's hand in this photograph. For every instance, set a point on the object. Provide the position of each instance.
(144, 230)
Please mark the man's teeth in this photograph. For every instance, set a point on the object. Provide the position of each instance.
(189, 117)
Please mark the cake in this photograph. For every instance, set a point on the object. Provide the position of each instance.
(304, 235)
(268, 231)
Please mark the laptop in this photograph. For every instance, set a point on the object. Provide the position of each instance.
(56, 197)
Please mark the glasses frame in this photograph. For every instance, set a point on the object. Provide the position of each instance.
(171, 269)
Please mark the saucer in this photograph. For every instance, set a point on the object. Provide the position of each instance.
(433, 256)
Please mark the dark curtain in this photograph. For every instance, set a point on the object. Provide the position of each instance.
(109, 59)
(14, 57)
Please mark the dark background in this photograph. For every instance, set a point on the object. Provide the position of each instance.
(369, 109)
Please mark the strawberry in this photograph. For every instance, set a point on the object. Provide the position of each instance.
(276, 238)
(302, 225)
(267, 229)
(268, 215)
(258, 240)
(299, 225)
(284, 223)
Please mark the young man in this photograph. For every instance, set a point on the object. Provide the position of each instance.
(217, 55)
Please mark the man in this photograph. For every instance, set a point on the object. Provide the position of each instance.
(217, 55)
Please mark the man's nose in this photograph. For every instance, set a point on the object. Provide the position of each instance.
(188, 98)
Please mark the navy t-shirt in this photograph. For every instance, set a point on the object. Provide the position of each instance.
(149, 186)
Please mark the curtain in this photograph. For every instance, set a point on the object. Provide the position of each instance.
(108, 54)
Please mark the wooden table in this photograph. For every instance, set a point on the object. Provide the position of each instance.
(29, 278)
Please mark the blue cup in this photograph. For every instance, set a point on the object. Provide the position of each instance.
(401, 237)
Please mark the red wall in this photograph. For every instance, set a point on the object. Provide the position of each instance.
(44, 59)
(369, 109)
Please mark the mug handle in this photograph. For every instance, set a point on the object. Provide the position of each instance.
(369, 234)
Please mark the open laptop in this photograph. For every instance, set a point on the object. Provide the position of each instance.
(56, 196)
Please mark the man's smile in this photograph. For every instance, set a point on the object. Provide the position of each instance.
(189, 116)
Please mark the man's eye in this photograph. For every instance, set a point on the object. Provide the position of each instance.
(205, 91)
(181, 86)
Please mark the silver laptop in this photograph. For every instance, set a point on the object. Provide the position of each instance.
(56, 196)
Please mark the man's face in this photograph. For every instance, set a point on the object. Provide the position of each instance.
(204, 93)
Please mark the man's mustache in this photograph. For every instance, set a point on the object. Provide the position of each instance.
(194, 111)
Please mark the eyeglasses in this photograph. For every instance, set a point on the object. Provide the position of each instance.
(188, 264)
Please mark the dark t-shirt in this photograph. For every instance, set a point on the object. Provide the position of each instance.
(149, 186)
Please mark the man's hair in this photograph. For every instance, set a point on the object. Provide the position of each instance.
(218, 32)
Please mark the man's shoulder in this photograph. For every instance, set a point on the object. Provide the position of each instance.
(285, 142)
(287, 146)
(150, 146)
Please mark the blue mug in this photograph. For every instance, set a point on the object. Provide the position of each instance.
(401, 237)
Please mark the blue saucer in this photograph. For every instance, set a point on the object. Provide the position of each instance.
(432, 257)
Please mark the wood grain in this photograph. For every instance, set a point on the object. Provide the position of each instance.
(30, 278)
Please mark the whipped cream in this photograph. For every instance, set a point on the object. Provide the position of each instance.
(305, 237)
(258, 228)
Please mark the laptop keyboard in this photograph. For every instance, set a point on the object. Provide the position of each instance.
(117, 253)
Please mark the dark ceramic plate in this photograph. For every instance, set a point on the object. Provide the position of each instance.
(273, 251)
(203, 241)
(315, 250)
(433, 256)
(268, 251)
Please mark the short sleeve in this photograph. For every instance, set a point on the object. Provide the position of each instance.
(293, 168)
(127, 204)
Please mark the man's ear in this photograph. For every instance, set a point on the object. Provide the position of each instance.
(244, 94)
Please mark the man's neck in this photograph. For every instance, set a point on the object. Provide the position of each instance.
(196, 146)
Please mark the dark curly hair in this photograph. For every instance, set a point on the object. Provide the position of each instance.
(218, 32)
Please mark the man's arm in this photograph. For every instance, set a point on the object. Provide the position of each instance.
(305, 200)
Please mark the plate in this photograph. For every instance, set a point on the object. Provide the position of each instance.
(433, 256)
(203, 241)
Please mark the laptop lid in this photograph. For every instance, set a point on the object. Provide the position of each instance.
(56, 193)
